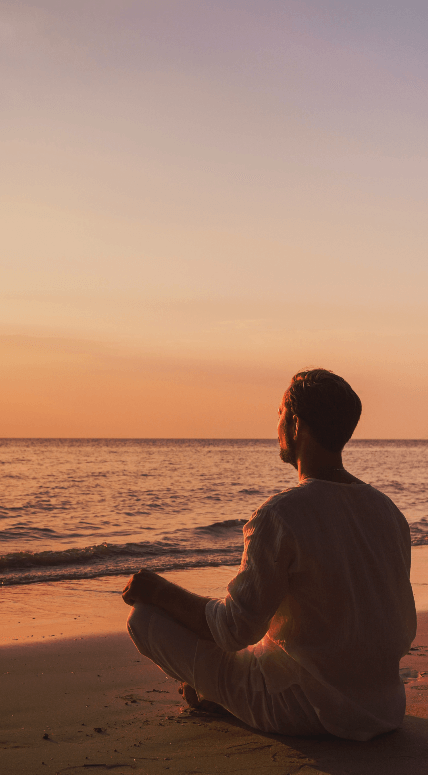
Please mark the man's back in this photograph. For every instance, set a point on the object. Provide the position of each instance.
(325, 574)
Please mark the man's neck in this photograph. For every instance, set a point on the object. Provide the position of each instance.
(320, 464)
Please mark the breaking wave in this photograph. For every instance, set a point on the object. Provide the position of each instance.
(216, 544)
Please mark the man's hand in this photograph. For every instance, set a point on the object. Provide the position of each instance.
(142, 587)
(184, 606)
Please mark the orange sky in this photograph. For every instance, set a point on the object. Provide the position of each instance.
(199, 201)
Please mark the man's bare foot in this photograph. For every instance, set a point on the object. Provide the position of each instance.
(189, 695)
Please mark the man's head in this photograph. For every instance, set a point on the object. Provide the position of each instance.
(327, 405)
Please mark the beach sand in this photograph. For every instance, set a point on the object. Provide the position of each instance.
(77, 697)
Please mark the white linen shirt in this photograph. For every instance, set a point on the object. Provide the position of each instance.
(323, 600)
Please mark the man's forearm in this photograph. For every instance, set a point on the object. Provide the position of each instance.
(186, 607)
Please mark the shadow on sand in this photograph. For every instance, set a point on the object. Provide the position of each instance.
(402, 752)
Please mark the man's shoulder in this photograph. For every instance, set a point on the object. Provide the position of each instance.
(284, 499)
(274, 513)
(315, 494)
(316, 506)
(377, 496)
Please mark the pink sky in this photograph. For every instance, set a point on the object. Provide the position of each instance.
(199, 200)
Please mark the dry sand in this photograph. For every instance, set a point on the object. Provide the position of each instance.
(75, 702)
(95, 705)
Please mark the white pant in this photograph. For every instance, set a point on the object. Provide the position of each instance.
(239, 687)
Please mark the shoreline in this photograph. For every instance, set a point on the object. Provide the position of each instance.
(85, 607)
(68, 609)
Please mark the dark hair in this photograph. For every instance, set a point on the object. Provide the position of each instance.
(327, 404)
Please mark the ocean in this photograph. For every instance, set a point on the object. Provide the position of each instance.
(93, 508)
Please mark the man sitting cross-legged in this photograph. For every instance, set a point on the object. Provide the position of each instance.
(309, 637)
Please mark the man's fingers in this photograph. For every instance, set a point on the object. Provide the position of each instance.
(141, 586)
(128, 584)
(127, 597)
(126, 594)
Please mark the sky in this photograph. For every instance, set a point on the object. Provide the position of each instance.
(199, 199)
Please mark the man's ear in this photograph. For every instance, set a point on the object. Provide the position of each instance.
(296, 426)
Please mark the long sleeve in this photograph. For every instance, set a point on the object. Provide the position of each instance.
(243, 617)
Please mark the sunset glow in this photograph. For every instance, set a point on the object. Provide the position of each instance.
(201, 199)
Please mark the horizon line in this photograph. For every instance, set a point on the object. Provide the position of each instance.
(180, 438)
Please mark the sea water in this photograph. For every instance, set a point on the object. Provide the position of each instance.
(77, 517)
(87, 509)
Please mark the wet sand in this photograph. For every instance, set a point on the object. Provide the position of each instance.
(86, 703)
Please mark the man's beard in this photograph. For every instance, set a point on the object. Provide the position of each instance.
(288, 455)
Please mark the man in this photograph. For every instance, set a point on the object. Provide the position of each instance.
(309, 637)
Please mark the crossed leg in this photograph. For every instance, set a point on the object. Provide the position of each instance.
(232, 680)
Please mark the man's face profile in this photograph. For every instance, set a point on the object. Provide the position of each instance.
(287, 446)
